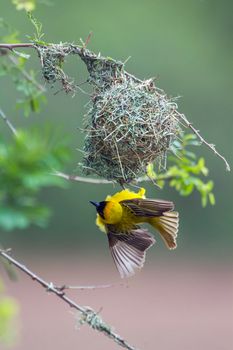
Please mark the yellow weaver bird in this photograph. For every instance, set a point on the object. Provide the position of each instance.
(120, 215)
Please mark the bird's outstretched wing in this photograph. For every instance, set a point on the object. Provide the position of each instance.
(159, 214)
(128, 250)
(148, 207)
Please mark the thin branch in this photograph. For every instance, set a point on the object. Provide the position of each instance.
(211, 146)
(87, 40)
(107, 182)
(8, 123)
(78, 50)
(88, 315)
(26, 75)
(81, 178)
(17, 45)
(102, 286)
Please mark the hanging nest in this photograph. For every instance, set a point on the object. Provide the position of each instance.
(129, 123)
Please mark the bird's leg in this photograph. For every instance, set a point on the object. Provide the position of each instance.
(122, 183)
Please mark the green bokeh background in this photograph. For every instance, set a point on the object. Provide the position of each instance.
(188, 46)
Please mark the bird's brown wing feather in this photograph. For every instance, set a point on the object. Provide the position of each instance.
(128, 250)
(148, 207)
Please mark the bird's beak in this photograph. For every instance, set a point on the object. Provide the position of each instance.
(96, 204)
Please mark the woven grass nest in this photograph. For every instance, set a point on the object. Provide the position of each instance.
(128, 125)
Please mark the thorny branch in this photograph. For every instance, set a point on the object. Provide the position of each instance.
(101, 286)
(87, 315)
(211, 146)
(8, 123)
(82, 52)
(15, 46)
(81, 178)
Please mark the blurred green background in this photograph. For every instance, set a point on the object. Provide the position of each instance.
(188, 46)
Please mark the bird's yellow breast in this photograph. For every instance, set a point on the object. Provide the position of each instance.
(117, 214)
(112, 212)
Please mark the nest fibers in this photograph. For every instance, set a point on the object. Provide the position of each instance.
(129, 124)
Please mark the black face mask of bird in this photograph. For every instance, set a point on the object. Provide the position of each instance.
(99, 207)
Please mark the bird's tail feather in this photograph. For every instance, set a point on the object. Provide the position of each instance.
(167, 225)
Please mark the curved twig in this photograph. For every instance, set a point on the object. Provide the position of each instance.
(211, 146)
(8, 123)
(81, 178)
(17, 45)
(88, 315)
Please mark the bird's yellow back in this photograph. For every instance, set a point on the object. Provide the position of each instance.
(125, 195)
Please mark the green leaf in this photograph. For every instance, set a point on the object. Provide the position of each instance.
(204, 200)
(21, 54)
(8, 312)
(27, 5)
(26, 166)
(11, 218)
(187, 190)
(38, 35)
(150, 171)
(185, 171)
(211, 198)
